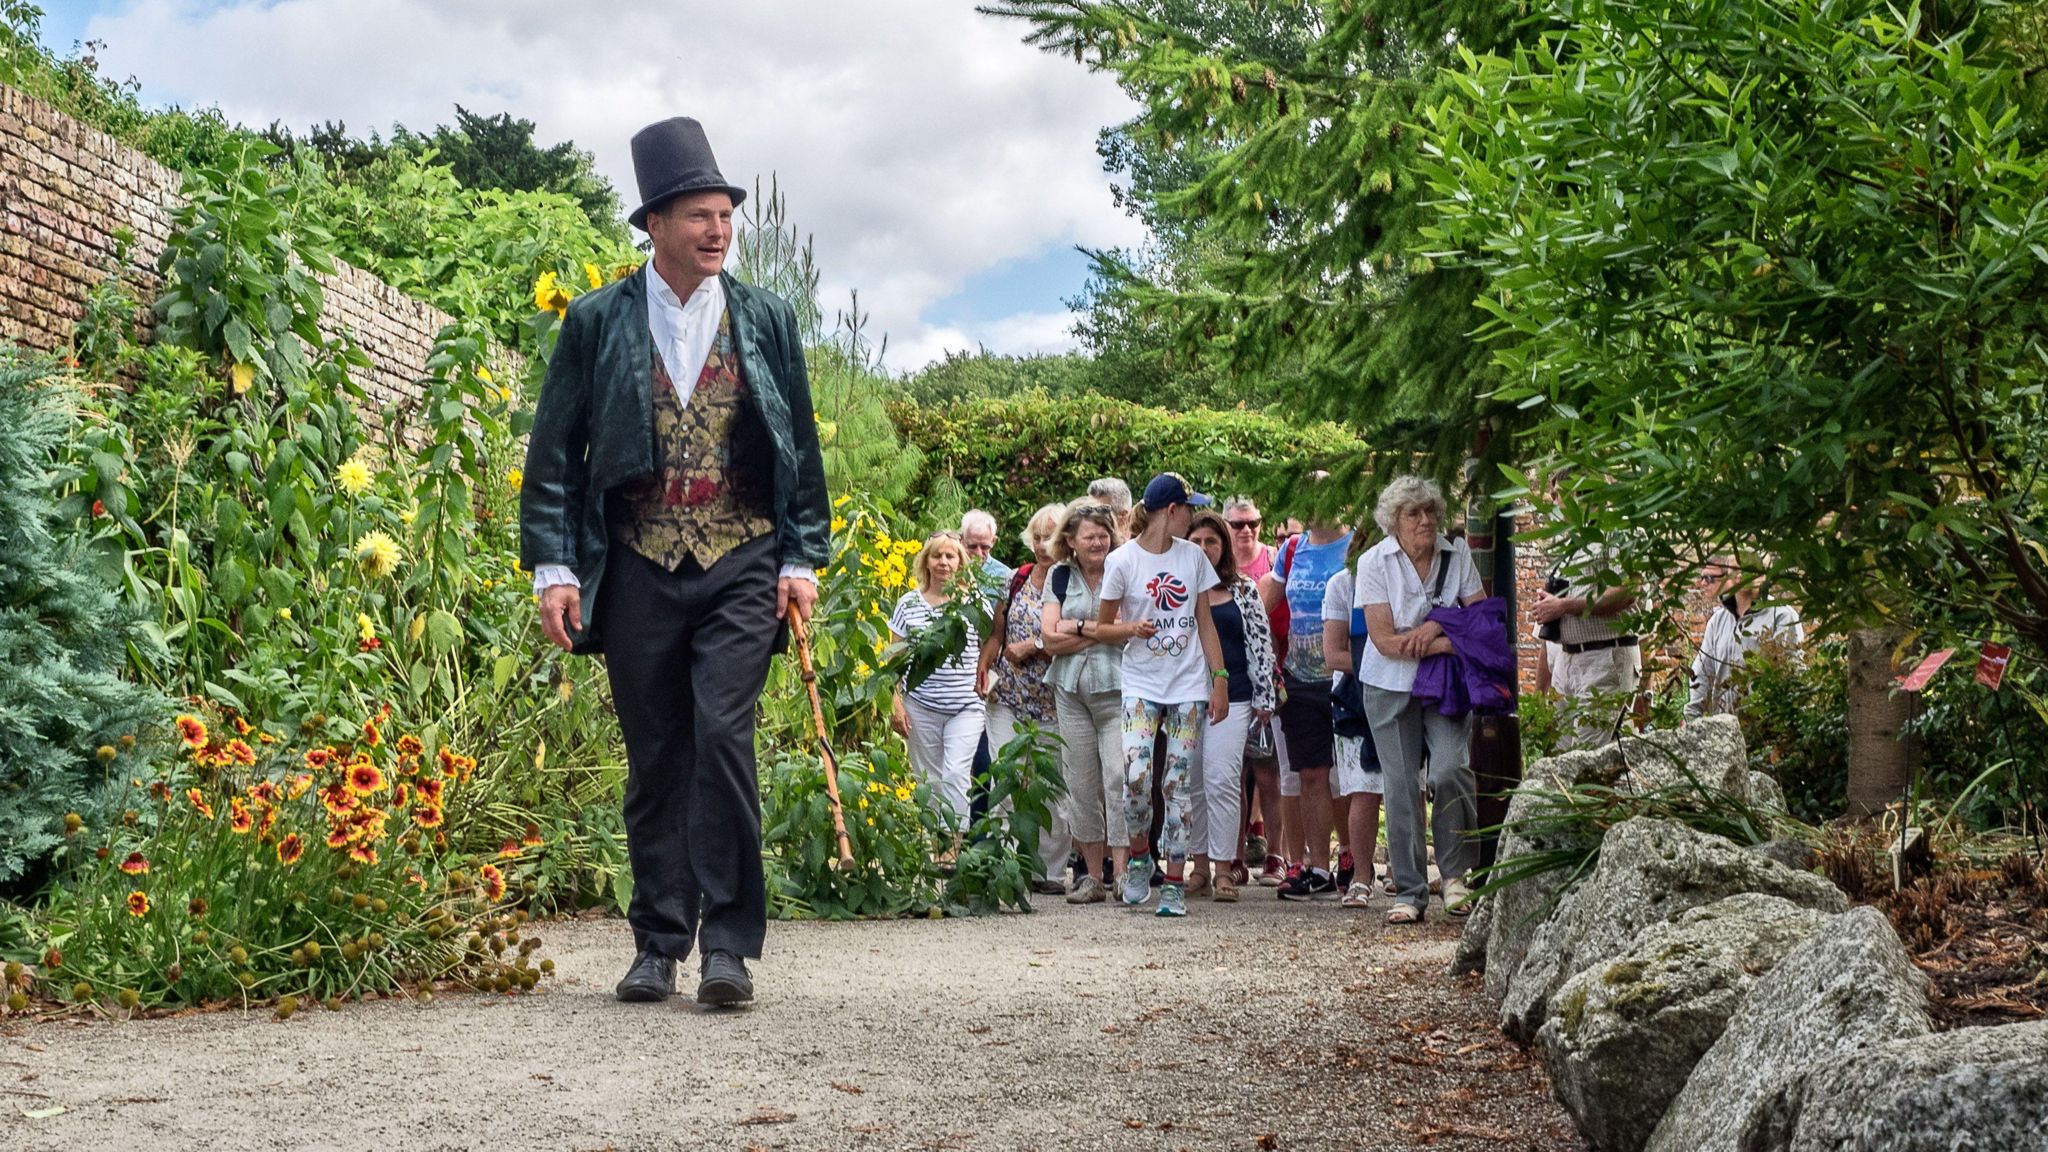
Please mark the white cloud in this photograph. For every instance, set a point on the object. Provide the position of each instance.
(919, 142)
(1022, 334)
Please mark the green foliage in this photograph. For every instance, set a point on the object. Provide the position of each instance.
(251, 868)
(240, 285)
(64, 636)
(1795, 723)
(893, 821)
(1773, 277)
(1000, 860)
(984, 375)
(497, 153)
(1012, 456)
(767, 253)
(1276, 161)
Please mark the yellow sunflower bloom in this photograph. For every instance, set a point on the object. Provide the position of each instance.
(353, 476)
(515, 479)
(378, 554)
(592, 274)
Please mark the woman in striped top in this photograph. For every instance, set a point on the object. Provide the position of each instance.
(943, 717)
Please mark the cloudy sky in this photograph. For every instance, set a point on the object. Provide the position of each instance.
(946, 169)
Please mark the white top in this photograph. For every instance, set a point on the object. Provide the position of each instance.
(950, 687)
(1168, 667)
(1385, 576)
(1728, 641)
(683, 332)
(1337, 605)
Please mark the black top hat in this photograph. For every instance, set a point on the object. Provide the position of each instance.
(671, 158)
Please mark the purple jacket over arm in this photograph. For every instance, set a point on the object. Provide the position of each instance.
(1478, 675)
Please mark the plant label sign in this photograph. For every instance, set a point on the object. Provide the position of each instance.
(1924, 671)
(1991, 665)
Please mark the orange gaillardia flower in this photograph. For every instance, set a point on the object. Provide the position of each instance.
(338, 836)
(290, 849)
(299, 784)
(430, 791)
(135, 865)
(336, 799)
(199, 803)
(371, 737)
(238, 816)
(427, 815)
(318, 758)
(191, 731)
(509, 850)
(363, 853)
(364, 778)
(138, 903)
(533, 838)
(240, 752)
(493, 882)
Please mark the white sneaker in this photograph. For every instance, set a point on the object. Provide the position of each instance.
(1087, 890)
(1137, 882)
(1359, 895)
(1457, 897)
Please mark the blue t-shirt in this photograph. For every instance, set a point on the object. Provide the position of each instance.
(1308, 572)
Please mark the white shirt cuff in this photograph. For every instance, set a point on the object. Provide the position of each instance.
(549, 575)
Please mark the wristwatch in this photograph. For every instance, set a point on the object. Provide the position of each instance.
(1038, 641)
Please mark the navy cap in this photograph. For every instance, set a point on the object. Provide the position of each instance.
(1168, 489)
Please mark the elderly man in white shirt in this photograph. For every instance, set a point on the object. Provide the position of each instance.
(1738, 627)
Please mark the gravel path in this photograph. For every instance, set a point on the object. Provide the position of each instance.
(1259, 1025)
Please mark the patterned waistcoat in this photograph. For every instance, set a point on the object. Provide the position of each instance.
(707, 495)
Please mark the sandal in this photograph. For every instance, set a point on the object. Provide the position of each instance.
(1404, 914)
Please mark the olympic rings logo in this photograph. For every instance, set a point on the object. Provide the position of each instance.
(1167, 645)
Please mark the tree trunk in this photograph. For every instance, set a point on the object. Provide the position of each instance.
(1878, 758)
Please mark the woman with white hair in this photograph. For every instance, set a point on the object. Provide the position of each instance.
(1022, 693)
(1398, 582)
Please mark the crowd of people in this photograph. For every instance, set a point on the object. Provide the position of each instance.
(1230, 713)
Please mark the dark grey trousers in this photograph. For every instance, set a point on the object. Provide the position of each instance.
(687, 653)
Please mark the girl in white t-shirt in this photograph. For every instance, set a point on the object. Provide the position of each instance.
(1172, 666)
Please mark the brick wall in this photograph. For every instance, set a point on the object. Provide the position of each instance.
(66, 190)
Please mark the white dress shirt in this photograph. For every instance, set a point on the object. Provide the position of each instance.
(683, 332)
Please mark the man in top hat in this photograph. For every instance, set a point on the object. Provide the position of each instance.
(673, 511)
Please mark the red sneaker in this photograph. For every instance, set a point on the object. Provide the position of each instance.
(1273, 872)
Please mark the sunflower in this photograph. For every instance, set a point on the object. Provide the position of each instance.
(353, 476)
(364, 778)
(138, 903)
(548, 295)
(191, 731)
(199, 803)
(493, 882)
(378, 554)
(290, 849)
(591, 273)
(427, 815)
(238, 816)
(135, 865)
(363, 853)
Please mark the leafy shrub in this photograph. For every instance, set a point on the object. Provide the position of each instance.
(247, 866)
(64, 636)
(1794, 718)
(1013, 455)
(894, 823)
(1000, 860)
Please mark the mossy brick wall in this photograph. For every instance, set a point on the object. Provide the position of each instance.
(67, 190)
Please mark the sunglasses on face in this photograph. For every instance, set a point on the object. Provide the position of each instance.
(1244, 525)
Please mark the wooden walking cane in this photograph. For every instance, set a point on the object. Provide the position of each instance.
(802, 636)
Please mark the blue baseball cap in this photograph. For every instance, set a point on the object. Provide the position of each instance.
(1168, 489)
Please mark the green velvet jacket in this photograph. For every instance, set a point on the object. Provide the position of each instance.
(594, 430)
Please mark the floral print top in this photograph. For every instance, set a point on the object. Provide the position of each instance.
(1022, 688)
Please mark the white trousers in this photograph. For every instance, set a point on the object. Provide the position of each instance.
(1216, 786)
(1092, 725)
(1057, 842)
(942, 748)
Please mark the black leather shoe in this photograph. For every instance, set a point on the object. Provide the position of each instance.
(652, 977)
(725, 981)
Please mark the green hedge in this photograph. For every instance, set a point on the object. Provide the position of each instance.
(1012, 455)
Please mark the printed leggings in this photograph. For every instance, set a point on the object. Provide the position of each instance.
(1144, 721)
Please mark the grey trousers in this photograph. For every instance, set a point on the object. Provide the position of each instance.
(687, 654)
(1401, 731)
